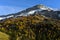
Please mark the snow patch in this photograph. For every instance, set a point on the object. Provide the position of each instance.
(9, 16)
(2, 18)
(31, 12)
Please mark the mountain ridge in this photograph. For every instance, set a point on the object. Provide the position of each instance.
(35, 9)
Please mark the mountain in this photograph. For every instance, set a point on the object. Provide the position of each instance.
(28, 11)
(35, 23)
(40, 9)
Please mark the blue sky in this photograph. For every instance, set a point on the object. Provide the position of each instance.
(12, 6)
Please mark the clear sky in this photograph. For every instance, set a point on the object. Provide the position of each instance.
(12, 6)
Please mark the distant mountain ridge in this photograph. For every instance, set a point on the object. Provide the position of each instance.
(41, 9)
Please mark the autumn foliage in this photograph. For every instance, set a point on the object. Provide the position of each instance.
(31, 27)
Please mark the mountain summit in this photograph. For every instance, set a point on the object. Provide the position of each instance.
(40, 9)
(35, 23)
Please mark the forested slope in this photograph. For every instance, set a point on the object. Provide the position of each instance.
(33, 27)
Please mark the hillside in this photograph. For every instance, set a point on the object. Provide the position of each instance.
(33, 27)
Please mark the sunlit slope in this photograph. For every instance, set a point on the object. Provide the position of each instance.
(4, 36)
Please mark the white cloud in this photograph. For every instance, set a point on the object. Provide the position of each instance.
(8, 10)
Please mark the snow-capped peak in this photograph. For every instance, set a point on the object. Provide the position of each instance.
(42, 7)
(28, 11)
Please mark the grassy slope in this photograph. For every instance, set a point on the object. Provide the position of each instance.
(4, 36)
